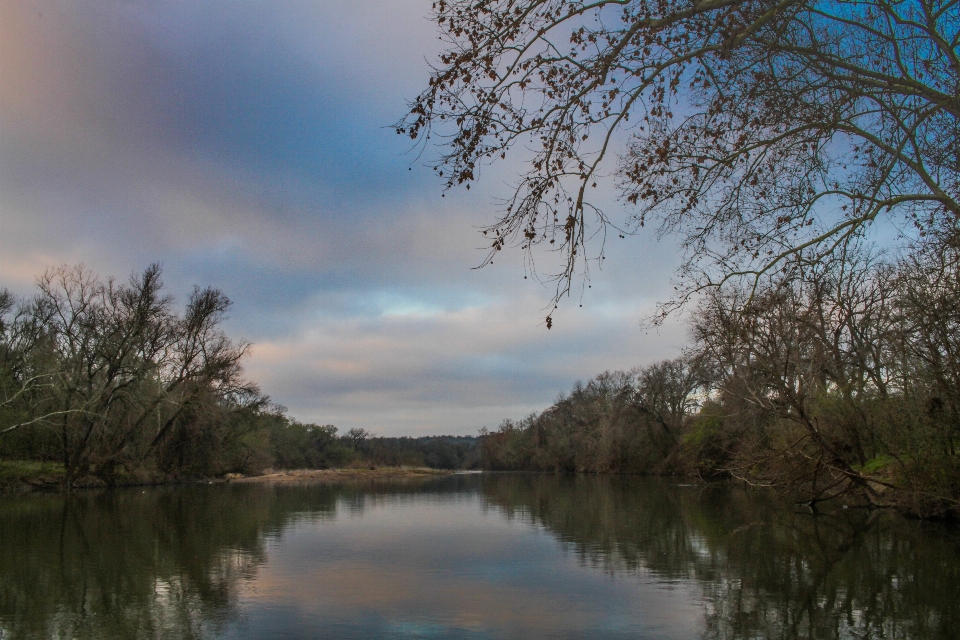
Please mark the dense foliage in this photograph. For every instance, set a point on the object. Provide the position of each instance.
(436, 452)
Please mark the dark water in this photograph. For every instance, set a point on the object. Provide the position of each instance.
(492, 556)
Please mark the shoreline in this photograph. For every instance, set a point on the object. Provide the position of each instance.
(313, 475)
(42, 478)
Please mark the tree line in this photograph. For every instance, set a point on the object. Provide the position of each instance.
(113, 383)
(841, 380)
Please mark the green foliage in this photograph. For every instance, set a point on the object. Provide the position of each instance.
(307, 446)
(878, 465)
(30, 471)
(708, 444)
(618, 422)
(435, 452)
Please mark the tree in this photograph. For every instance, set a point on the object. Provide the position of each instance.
(928, 301)
(843, 381)
(357, 438)
(617, 422)
(666, 392)
(766, 134)
(22, 385)
(115, 377)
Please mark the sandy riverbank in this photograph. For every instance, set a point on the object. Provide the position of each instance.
(23, 477)
(313, 475)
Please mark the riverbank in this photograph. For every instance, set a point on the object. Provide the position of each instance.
(328, 475)
(20, 476)
(27, 475)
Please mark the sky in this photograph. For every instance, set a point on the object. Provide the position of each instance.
(247, 146)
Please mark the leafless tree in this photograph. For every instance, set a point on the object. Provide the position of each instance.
(112, 370)
(800, 363)
(666, 392)
(928, 287)
(766, 134)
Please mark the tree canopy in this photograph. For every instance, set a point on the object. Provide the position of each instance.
(765, 134)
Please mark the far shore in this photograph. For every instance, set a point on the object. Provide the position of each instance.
(311, 475)
(26, 477)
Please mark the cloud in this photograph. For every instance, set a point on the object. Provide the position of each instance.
(427, 367)
(247, 146)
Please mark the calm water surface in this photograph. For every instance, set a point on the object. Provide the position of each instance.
(467, 556)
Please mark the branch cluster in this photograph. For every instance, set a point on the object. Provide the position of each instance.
(765, 133)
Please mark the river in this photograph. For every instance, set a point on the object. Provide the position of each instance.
(468, 556)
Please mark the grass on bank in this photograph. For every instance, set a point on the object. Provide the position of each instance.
(30, 472)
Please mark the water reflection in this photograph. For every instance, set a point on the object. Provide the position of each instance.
(765, 570)
(467, 556)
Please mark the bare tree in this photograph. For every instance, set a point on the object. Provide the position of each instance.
(790, 366)
(666, 392)
(112, 370)
(767, 134)
(22, 386)
(928, 304)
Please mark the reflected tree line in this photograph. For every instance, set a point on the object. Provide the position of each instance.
(129, 564)
(766, 571)
(171, 562)
(159, 563)
(840, 379)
